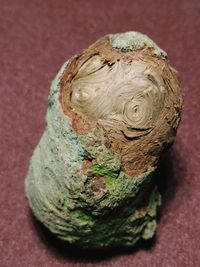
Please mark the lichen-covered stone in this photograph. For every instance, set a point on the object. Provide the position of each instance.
(112, 111)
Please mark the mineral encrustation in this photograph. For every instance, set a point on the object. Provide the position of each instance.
(112, 111)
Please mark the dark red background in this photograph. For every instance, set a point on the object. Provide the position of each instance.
(36, 37)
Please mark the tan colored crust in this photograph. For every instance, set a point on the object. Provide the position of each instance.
(136, 153)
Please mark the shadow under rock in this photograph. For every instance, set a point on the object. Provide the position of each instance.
(168, 180)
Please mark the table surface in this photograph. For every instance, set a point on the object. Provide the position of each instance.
(36, 37)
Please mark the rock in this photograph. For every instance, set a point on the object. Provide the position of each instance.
(112, 111)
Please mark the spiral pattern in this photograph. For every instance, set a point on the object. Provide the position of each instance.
(113, 110)
(127, 96)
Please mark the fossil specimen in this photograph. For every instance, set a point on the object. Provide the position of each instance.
(112, 111)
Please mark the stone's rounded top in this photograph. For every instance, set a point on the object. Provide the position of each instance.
(133, 95)
(129, 41)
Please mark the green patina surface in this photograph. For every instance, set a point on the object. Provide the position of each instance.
(67, 207)
(129, 41)
(59, 191)
(82, 218)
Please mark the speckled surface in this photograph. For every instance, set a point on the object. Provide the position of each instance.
(36, 38)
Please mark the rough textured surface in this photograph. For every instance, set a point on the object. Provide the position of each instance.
(31, 32)
(133, 41)
(93, 187)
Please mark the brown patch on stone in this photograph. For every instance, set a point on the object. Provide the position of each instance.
(136, 154)
(86, 164)
(109, 55)
(97, 184)
(80, 124)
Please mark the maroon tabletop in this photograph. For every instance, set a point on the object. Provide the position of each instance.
(36, 37)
